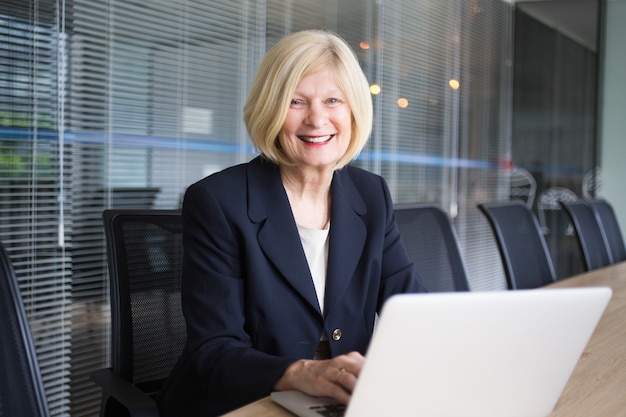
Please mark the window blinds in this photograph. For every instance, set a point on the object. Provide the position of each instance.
(30, 207)
(111, 103)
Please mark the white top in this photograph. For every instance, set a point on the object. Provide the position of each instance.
(315, 244)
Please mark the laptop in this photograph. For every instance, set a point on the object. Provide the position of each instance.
(462, 354)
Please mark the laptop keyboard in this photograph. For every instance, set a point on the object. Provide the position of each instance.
(330, 410)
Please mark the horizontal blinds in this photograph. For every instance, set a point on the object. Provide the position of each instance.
(30, 185)
(111, 103)
(415, 65)
(485, 71)
(154, 105)
(441, 112)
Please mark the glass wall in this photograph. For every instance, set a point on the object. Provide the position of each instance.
(554, 132)
(111, 103)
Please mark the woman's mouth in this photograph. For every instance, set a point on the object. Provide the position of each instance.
(316, 139)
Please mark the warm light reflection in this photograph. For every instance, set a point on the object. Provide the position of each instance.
(403, 103)
(454, 84)
(364, 45)
(375, 89)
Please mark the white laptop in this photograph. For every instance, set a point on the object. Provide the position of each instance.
(462, 354)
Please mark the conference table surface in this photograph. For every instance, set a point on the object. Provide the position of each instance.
(597, 386)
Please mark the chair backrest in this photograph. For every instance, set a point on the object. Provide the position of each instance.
(145, 255)
(21, 387)
(525, 256)
(608, 222)
(432, 244)
(591, 239)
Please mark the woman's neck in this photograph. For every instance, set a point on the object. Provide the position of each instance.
(309, 196)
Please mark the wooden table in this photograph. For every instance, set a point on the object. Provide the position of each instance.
(597, 386)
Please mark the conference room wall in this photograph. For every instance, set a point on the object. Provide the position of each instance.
(613, 109)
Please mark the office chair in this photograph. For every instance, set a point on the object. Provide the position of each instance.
(608, 222)
(432, 244)
(591, 238)
(144, 249)
(525, 256)
(21, 387)
(523, 186)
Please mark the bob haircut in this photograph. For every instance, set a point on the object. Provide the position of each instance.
(293, 58)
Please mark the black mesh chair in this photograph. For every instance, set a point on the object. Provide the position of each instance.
(148, 329)
(21, 388)
(608, 222)
(525, 256)
(432, 244)
(591, 238)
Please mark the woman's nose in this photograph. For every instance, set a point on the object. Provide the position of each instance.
(316, 115)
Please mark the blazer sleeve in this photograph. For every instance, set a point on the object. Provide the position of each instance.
(219, 359)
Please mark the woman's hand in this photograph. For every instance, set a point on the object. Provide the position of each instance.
(335, 378)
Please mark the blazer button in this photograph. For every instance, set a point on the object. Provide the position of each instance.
(337, 334)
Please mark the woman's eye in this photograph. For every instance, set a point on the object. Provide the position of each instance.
(333, 101)
(296, 102)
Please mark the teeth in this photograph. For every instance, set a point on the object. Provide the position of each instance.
(315, 139)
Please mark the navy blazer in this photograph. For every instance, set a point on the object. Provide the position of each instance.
(248, 296)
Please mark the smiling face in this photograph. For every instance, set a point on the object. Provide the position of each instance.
(317, 130)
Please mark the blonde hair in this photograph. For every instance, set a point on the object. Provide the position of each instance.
(294, 57)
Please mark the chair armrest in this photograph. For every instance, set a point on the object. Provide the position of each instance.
(137, 402)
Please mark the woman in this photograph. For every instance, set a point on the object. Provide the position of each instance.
(288, 257)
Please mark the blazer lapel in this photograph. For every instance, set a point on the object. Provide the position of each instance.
(278, 235)
(347, 237)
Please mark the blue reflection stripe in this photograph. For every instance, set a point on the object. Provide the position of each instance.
(127, 140)
(228, 147)
(160, 142)
(430, 160)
